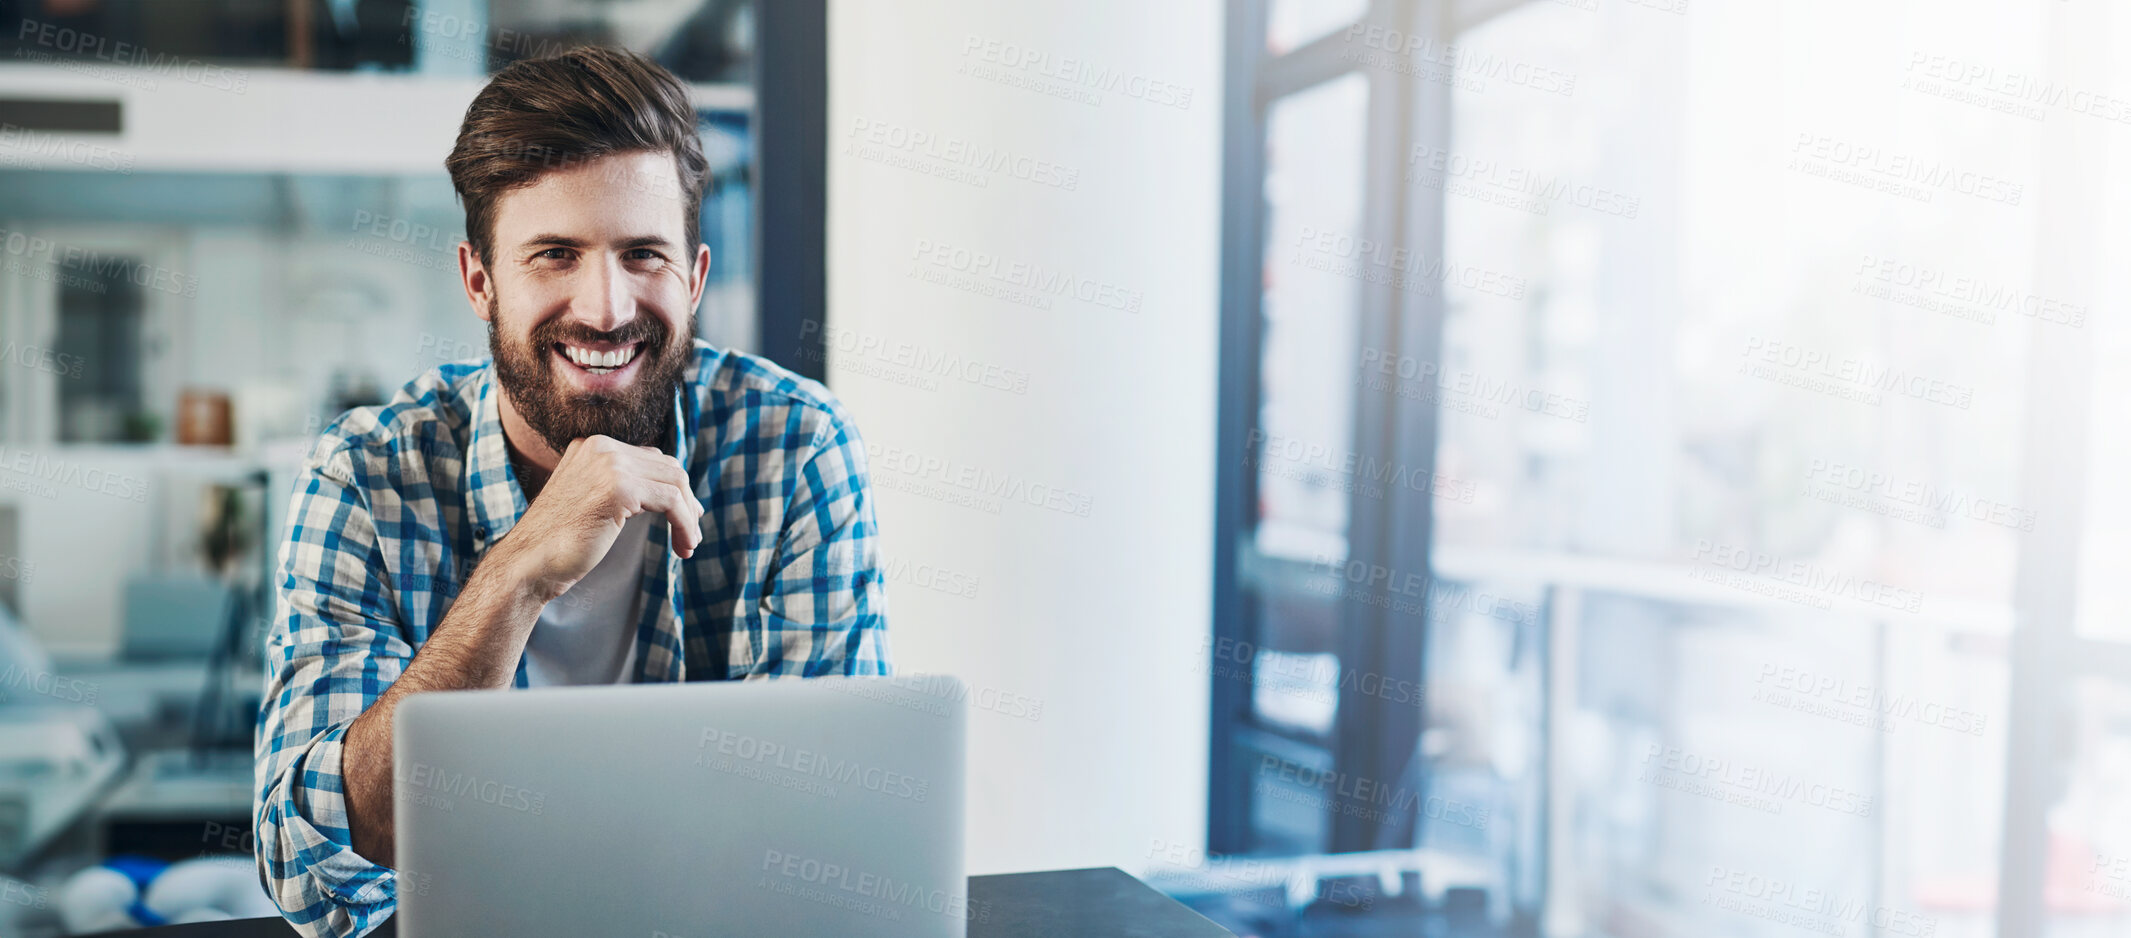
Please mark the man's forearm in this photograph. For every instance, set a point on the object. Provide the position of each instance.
(477, 645)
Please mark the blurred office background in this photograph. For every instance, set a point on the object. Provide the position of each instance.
(225, 223)
(1384, 467)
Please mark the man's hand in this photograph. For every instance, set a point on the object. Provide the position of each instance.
(598, 486)
(600, 483)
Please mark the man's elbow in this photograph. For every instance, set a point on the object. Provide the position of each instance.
(322, 888)
(282, 871)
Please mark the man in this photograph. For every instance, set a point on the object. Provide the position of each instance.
(606, 500)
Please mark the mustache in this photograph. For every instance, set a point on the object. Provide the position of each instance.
(647, 330)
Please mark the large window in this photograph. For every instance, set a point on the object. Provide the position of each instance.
(1768, 560)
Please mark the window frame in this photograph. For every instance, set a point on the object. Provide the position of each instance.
(791, 139)
(1373, 737)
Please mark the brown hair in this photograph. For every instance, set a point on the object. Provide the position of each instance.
(540, 115)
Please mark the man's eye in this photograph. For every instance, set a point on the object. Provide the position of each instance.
(554, 254)
(645, 254)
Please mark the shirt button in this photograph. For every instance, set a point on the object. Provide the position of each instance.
(481, 532)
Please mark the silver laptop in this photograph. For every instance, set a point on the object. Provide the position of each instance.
(819, 807)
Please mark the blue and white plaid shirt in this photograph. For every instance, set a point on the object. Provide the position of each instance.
(396, 505)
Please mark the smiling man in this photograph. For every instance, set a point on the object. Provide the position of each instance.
(605, 500)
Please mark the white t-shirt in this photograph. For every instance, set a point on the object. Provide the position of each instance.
(588, 635)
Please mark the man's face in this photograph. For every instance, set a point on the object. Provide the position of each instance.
(591, 297)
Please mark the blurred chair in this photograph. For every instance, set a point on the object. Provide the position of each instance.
(58, 753)
(173, 616)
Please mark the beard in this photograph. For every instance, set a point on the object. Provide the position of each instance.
(640, 414)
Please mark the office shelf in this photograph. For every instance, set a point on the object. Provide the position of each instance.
(276, 121)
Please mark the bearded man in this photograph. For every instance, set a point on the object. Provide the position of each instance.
(606, 499)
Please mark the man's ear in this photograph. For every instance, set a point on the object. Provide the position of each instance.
(696, 275)
(480, 289)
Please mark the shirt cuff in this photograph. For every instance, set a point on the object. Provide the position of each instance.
(307, 855)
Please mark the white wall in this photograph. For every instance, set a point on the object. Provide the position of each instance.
(1101, 618)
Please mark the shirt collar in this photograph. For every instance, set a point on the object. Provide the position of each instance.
(490, 484)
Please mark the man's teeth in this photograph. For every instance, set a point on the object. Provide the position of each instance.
(596, 359)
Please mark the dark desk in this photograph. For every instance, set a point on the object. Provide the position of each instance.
(1058, 904)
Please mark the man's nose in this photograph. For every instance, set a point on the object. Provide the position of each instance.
(603, 300)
